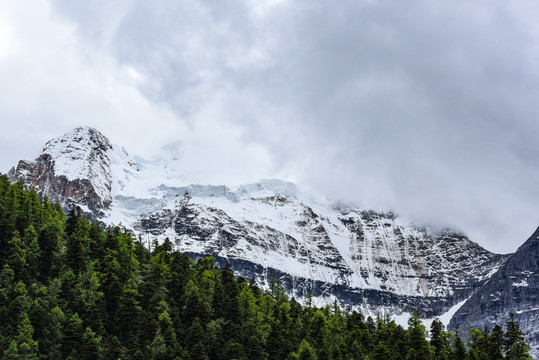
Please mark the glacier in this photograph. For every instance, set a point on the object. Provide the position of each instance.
(372, 261)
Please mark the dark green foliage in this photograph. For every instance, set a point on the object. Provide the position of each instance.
(459, 350)
(71, 290)
(515, 347)
(73, 333)
(23, 345)
(495, 343)
(439, 340)
(91, 347)
(419, 346)
(306, 351)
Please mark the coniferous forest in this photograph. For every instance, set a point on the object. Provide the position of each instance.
(70, 289)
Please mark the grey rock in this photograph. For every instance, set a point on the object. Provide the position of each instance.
(367, 260)
(513, 288)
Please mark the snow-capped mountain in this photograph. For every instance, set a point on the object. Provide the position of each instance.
(513, 288)
(77, 167)
(373, 261)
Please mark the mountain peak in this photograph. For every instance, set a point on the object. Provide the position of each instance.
(365, 258)
(81, 140)
(72, 168)
(513, 288)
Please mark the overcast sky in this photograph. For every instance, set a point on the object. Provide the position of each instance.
(426, 107)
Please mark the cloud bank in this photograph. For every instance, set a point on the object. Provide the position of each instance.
(424, 107)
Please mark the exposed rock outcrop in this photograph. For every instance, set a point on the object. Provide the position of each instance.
(371, 261)
(513, 288)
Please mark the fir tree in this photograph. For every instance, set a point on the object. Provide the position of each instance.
(495, 343)
(73, 333)
(438, 340)
(514, 344)
(23, 346)
(306, 351)
(459, 350)
(419, 346)
(91, 347)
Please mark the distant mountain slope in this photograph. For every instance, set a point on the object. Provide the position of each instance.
(513, 288)
(368, 260)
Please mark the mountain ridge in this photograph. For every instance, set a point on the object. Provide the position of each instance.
(268, 225)
(513, 288)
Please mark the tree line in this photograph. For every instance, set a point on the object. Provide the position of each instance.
(72, 289)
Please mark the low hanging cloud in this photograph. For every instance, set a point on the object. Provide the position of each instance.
(424, 107)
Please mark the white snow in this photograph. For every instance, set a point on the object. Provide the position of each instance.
(76, 156)
(522, 283)
(446, 317)
(269, 210)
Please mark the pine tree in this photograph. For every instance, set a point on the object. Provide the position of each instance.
(91, 347)
(114, 349)
(418, 342)
(234, 351)
(23, 346)
(255, 349)
(213, 336)
(33, 252)
(49, 243)
(90, 297)
(20, 304)
(306, 351)
(112, 290)
(495, 343)
(12, 352)
(194, 306)
(195, 335)
(438, 340)
(514, 344)
(51, 343)
(199, 352)
(128, 315)
(381, 352)
(77, 240)
(318, 331)
(166, 329)
(38, 313)
(477, 343)
(459, 350)
(231, 310)
(73, 333)
(17, 256)
(398, 340)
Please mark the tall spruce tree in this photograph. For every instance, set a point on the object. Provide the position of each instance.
(514, 344)
(419, 346)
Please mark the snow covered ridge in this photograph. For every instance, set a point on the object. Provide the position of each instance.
(77, 167)
(367, 260)
(513, 288)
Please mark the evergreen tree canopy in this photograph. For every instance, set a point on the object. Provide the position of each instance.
(70, 289)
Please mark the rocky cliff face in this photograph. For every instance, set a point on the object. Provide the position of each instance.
(74, 169)
(371, 261)
(513, 288)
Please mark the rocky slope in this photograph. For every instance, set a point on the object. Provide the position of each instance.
(372, 261)
(513, 288)
(74, 168)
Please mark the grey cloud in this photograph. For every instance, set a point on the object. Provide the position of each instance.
(427, 107)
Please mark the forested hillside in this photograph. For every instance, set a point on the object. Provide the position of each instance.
(71, 289)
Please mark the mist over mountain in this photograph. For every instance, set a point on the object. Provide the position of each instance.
(424, 108)
(366, 259)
